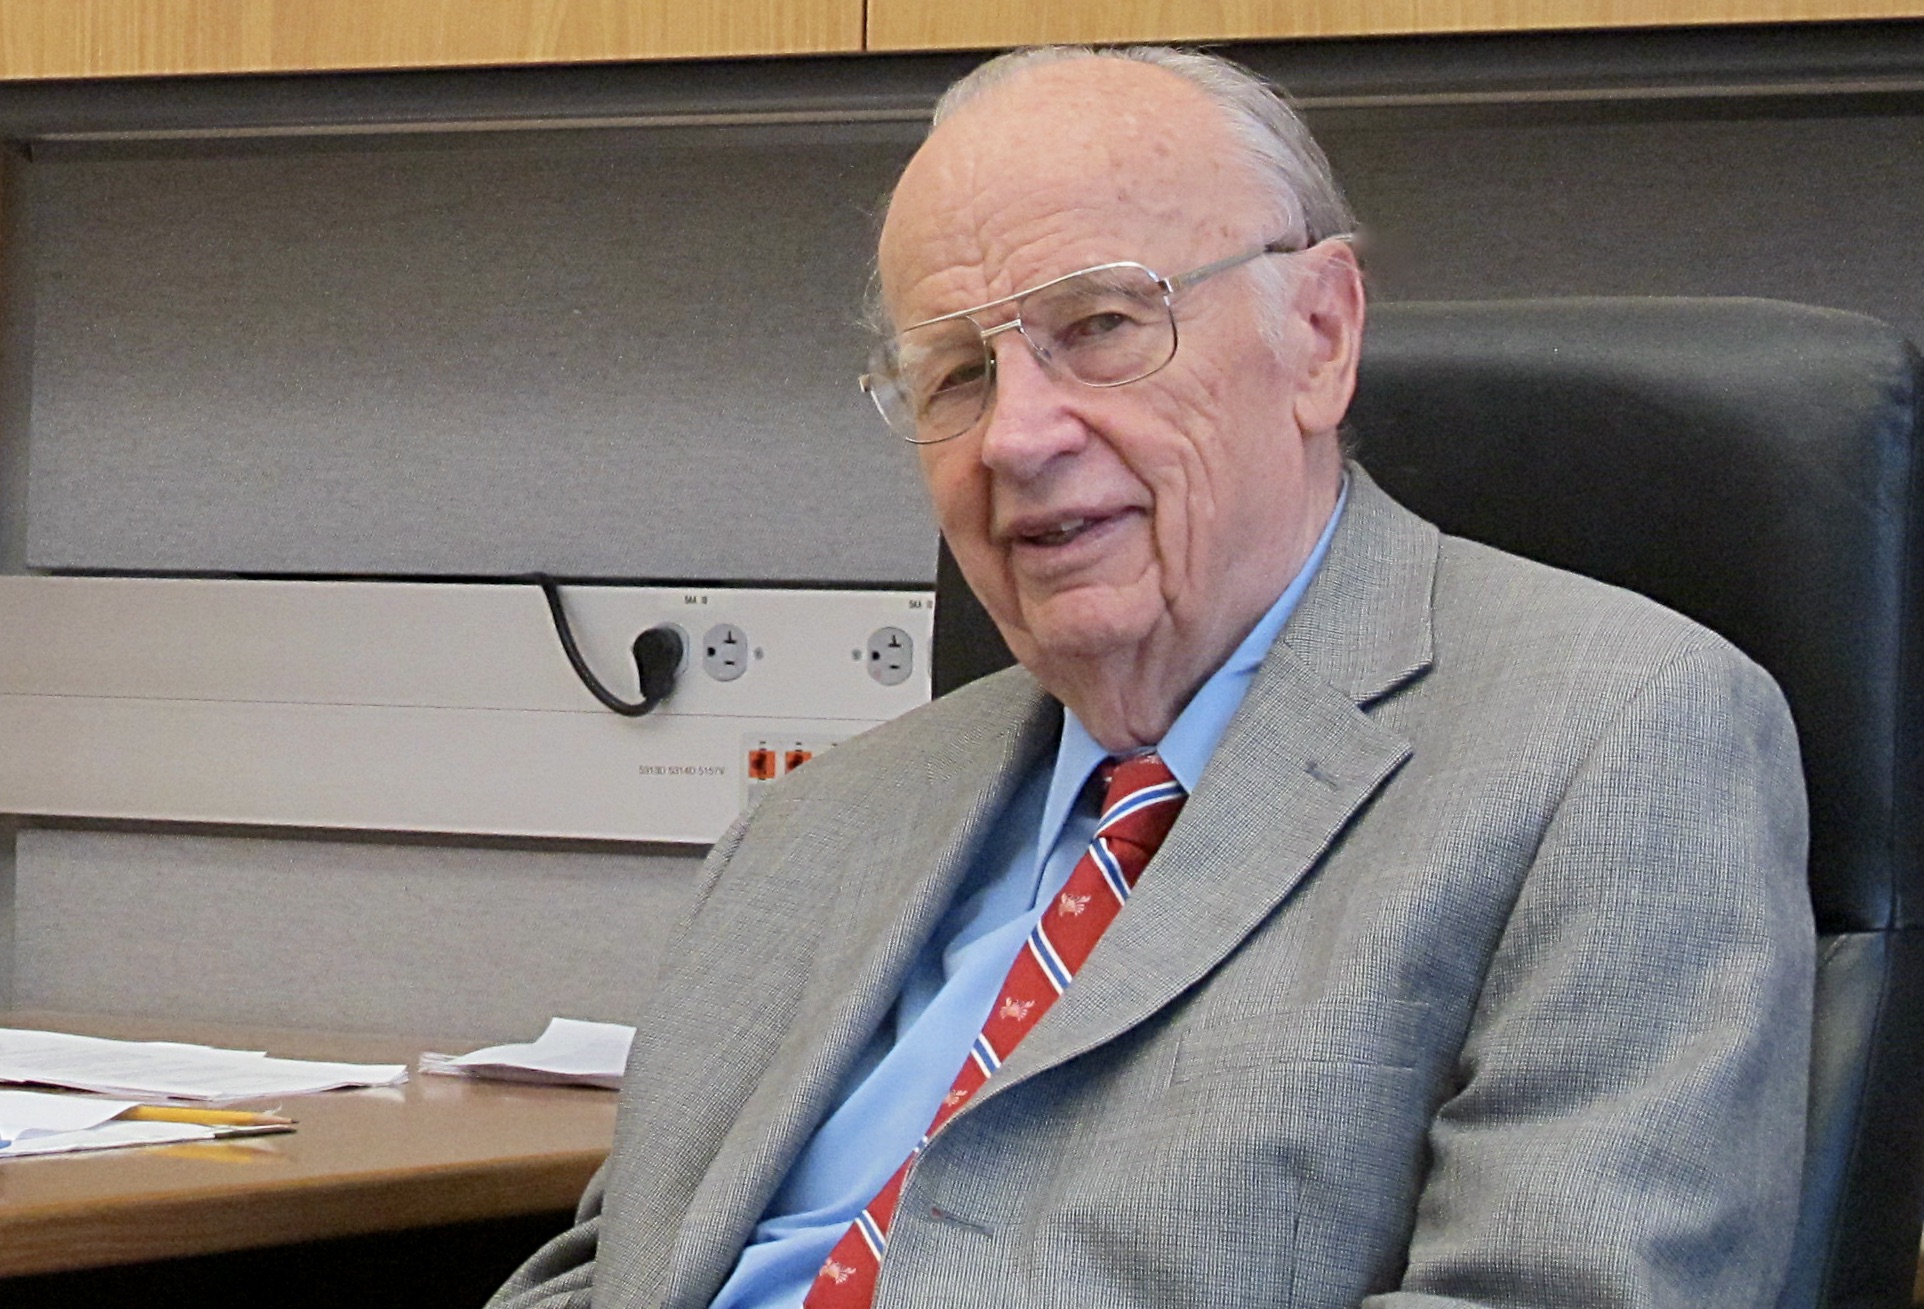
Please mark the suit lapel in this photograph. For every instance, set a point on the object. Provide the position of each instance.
(1298, 761)
(850, 984)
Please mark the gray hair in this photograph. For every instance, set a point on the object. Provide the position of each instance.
(1284, 158)
(1282, 155)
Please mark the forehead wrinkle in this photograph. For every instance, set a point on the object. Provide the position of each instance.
(1022, 250)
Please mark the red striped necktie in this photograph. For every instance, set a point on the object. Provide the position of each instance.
(1141, 803)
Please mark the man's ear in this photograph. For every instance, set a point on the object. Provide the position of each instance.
(1329, 304)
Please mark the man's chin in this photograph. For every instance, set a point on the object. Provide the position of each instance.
(1058, 640)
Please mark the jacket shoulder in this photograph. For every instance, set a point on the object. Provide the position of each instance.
(1532, 606)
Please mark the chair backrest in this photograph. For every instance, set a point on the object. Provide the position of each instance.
(1752, 464)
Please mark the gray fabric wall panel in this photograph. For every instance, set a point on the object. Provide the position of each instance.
(16, 366)
(361, 936)
(593, 353)
(1825, 209)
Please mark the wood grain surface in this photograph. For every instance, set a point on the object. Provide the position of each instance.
(435, 1150)
(118, 38)
(921, 25)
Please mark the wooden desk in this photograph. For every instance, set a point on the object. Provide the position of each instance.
(435, 1151)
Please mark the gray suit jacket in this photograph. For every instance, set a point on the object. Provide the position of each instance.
(1476, 972)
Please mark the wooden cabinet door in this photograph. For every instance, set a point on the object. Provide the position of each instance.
(117, 38)
(977, 24)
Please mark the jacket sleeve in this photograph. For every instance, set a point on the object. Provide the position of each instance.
(561, 1274)
(1626, 1120)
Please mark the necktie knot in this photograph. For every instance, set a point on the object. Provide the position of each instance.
(1137, 772)
(1139, 807)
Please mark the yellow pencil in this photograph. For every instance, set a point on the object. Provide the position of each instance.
(166, 1113)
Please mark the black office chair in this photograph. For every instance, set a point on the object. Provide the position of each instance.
(1754, 465)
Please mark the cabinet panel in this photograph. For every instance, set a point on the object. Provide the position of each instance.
(116, 38)
(920, 25)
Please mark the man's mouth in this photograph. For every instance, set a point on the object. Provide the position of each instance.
(1060, 533)
(1068, 540)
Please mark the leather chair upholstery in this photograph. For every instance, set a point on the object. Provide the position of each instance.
(1752, 464)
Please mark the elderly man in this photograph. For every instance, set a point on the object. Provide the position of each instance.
(1328, 912)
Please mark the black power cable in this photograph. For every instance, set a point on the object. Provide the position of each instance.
(658, 653)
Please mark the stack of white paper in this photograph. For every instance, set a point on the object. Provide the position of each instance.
(569, 1052)
(172, 1070)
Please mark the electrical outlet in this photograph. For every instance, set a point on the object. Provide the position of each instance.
(725, 652)
(891, 655)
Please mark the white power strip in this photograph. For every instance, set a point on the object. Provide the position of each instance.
(395, 706)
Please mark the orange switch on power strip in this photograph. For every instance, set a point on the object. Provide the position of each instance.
(796, 758)
(761, 764)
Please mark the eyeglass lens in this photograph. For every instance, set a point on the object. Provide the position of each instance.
(1104, 327)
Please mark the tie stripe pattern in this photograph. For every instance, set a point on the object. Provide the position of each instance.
(1140, 804)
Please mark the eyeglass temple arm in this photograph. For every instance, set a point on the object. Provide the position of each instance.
(1282, 245)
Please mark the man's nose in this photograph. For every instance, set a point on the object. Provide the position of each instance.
(1031, 417)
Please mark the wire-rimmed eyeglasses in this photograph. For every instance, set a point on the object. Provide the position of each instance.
(1103, 326)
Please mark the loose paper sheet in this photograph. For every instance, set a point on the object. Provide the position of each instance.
(28, 1114)
(109, 1136)
(570, 1052)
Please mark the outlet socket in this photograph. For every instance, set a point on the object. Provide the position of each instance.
(891, 655)
(724, 652)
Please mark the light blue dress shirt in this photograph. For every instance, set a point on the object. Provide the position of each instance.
(892, 1093)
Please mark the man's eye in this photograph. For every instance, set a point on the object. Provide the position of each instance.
(943, 382)
(1091, 327)
(1100, 326)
